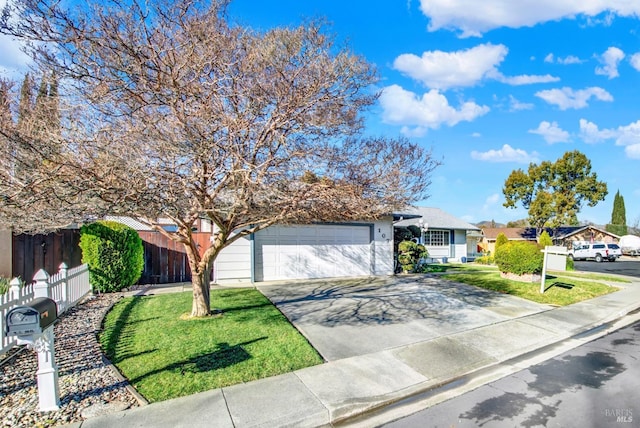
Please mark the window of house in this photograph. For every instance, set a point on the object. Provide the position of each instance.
(436, 238)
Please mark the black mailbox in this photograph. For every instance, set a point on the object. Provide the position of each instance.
(32, 318)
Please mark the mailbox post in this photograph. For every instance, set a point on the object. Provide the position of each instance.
(32, 324)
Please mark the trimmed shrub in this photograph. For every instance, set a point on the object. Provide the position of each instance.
(501, 239)
(519, 257)
(409, 254)
(570, 265)
(114, 253)
(484, 260)
(544, 239)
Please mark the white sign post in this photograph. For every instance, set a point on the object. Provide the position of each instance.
(555, 258)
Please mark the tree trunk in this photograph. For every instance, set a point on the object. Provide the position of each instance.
(200, 282)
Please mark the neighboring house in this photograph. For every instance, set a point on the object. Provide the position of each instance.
(588, 234)
(563, 235)
(322, 250)
(446, 237)
(489, 235)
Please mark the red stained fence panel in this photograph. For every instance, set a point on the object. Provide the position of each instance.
(165, 261)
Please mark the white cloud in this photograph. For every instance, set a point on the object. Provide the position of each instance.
(443, 70)
(633, 151)
(515, 105)
(551, 132)
(635, 61)
(526, 79)
(12, 61)
(505, 154)
(463, 68)
(590, 133)
(491, 201)
(627, 136)
(570, 59)
(472, 18)
(476, 135)
(567, 98)
(430, 111)
(610, 60)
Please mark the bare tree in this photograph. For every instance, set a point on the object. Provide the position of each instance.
(170, 111)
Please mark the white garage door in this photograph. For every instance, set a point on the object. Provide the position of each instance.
(321, 251)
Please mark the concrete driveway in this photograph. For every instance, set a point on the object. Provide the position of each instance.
(347, 318)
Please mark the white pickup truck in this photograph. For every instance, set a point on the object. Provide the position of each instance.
(598, 251)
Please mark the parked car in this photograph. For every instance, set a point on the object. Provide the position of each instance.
(614, 251)
(597, 251)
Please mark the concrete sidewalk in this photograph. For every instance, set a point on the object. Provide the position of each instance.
(357, 390)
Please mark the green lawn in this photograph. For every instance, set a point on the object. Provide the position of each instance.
(559, 290)
(165, 356)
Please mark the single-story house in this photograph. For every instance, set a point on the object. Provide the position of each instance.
(564, 235)
(305, 251)
(446, 237)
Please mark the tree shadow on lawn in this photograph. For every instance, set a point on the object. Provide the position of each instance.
(224, 356)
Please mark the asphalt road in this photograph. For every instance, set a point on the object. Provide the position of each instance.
(594, 385)
(627, 266)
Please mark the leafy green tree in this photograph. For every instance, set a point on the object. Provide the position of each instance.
(618, 223)
(554, 193)
(501, 239)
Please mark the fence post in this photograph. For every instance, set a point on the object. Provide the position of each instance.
(64, 271)
(14, 288)
(41, 287)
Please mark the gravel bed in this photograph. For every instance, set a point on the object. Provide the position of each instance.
(84, 378)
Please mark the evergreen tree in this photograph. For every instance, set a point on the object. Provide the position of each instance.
(545, 239)
(501, 239)
(26, 100)
(6, 123)
(618, 223)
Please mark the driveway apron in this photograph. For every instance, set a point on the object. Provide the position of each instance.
(351, 317)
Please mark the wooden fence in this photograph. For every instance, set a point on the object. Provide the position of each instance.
(67, 287)
(165, 261)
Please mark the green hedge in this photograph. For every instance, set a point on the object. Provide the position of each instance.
(114, 253)
(519, 257)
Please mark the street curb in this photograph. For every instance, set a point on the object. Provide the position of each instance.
(426, 395)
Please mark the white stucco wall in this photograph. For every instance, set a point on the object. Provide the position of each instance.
(383, 247)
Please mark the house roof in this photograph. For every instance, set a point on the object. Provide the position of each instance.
(512, 233)
(131, 222)
(577, 230)
(434, 218)
(529, 233)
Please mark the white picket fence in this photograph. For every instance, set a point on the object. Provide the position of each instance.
(67, 287)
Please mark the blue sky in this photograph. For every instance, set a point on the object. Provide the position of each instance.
(489, 85)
